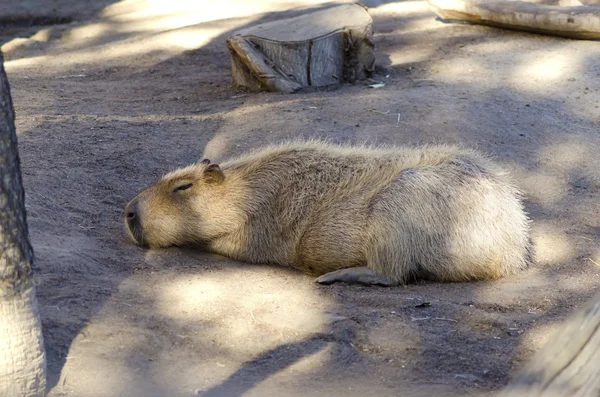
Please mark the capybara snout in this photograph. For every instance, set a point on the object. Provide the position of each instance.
(170, 212)
(379, 216)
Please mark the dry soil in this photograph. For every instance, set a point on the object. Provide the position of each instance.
(110, 95)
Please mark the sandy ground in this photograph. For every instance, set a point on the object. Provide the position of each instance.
(110, 95)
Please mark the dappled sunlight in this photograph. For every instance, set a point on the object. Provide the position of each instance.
(103, 377)
(245, 308)
(493, 47)
(217, 147)
(539, 291)
(565, 156)
(547, 67)
(401, 57)
(461, 70)
(106, 105)
(546, 189)
(551, 246)
(176, 13)
(406, 16)
(189, 39)
(404, 8)
(214, 320)
(538, 336)
(99, 364)
(134, 28)
(562, 164)
(169, 43)
(89, 32)
(508, 291)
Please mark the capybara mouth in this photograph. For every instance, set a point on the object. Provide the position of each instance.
(135, 234)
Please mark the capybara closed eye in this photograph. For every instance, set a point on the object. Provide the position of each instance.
(378, 216)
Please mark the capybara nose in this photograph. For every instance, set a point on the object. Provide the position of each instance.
(131, 216)
(132, 220)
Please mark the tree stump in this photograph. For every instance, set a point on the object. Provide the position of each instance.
(322, 48)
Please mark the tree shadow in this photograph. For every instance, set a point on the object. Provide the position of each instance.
(269, 363)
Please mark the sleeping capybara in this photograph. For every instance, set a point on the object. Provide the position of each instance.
(380, 216)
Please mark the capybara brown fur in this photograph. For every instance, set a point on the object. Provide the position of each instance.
(355, 214)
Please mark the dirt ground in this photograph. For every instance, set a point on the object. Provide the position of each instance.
(110, 95)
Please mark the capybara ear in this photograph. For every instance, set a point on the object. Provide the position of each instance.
(213, 174)
(205, 161)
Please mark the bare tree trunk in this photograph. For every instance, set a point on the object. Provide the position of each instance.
(22, 354)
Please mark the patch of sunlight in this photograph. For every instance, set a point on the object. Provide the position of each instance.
(511, 290)
(493, 47)
(551, 246)
(88, 32)
(243, 305)
(17, 43)
(171, 27)
(417, 17)
(168, 43)
(217, 147)
(537, 291)
(98, 363)
(544, 188)
(539, 335)
(565, 155)
(457, 70)
(221, 144)
(544, 67)
(407, 56)
(402, 8)
(549, 183)
(160, 14)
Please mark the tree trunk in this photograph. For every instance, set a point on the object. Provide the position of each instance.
(22, 355)
(569, 364)
(322, 48)
(575, 21)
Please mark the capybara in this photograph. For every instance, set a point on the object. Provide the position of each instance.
(380, 216)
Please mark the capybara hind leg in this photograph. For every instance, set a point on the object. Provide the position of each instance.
(355, 275)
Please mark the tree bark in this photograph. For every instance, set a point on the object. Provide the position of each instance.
(569, 364)
(574, 21)
(22, 354)
(322, 48)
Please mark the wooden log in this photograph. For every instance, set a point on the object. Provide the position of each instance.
(574, 21)
(569, 364)
(317, 49)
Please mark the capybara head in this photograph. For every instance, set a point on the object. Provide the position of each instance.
(174, 211)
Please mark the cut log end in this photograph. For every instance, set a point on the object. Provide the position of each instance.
(314, 50)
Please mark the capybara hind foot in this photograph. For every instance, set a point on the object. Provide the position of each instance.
(355, 275)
